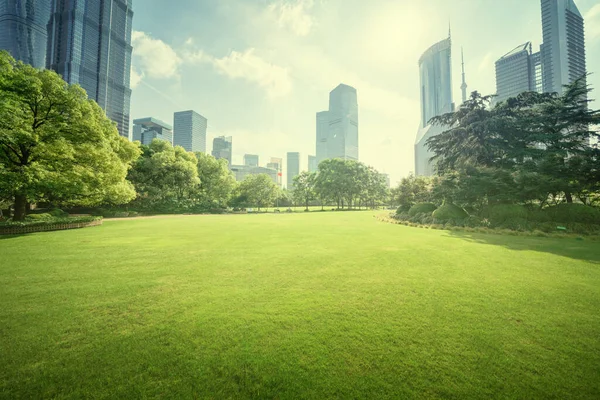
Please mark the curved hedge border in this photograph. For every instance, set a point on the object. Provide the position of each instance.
(492, 231)
(58, 226)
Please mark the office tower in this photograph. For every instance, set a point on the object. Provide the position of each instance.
(23, 30)
(342, 139)
(251, 160)
(322, 135)
(223, 148)
(89, 43)
(293, 168)
(518, 71)
(312, 164)
(277, 165)
(435, 70)
(145, 130)
(241, 172)
(190, 131)
(563, 48)
(464, 86)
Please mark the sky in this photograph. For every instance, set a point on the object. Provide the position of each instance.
(259, 70)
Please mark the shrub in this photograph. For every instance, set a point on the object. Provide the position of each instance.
(421, 208)
(49, 221)
(58, 213)
(402, 209)
(515, 224)
(500, 214)
(39, 217)
(449, 211)
(568, 213)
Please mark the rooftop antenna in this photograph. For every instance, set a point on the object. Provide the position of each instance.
(449, 30)
(464, 82)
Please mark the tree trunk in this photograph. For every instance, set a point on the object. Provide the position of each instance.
(569, 197)
(20, 207)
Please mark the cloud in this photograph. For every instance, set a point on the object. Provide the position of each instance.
(248, 66)
(592, 23)
(136, 77)
(153, 57)
(486, 62)
(293, 15)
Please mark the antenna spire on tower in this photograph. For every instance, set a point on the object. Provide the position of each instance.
(464, 82)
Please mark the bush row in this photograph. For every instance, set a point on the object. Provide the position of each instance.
(45, 221)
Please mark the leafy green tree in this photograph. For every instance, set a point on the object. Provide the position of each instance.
(257, 191)
(216, 182)
(412, 190)
(165, 177)
(304, 188)
(55, 144)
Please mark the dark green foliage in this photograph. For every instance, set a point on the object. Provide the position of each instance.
(449, 211)
(498, 214)
(49, 221)
(57, 212)
(39, 217)
(573, 213)
(422, 208)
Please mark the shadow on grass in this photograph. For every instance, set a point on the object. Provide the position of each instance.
(578, 249)
(4, 237)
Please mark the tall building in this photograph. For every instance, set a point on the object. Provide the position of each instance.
(251, 160)
(563, 48)
(241, 172)
(223, 148)
(293, 168)
(337, 129)
(463, 87)
(322, 135)
(89, 43)
(145, 130)
(190, 131)
(435, 70)
(277, 165)
(312, 164)
(23, 30)
(518, 71)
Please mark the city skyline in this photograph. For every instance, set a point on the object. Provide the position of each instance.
(276, 65)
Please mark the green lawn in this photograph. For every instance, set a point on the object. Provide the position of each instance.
(317, 305)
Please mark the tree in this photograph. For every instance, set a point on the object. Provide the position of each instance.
(304, 188)
(55, 144)
(216, 182)
(410, 191)
(165, 176)
(256, 191)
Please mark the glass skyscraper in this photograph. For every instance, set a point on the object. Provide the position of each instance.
(435, 70)
(190, 131)
(563, 49)
(23, 29)
(337, 129)
(251, 160)
(145, 130)
(518, 71)
(89, 43)
(223, 148)
(293, 168)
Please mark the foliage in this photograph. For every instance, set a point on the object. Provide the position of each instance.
(55, 144)
(304, 188)
(577, 213)
(216, 183)
(165, 177)
(411, 190)
(48, 220)
(422, 208)
(501, 213)
(256, 191)
(449, 211)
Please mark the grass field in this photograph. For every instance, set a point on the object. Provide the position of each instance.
(318, 305)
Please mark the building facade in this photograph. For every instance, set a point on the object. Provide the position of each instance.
(89, 43)
(243, 171)
(145, 130)
(251, 160)
(23, 30)
(293, 168)
(312, 164)
(518, 71)
(322, 135)
(563, 47)
(190, 131)
(223, 148)
(277, 165)
(435, 73)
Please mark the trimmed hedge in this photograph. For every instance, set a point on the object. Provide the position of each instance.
(572, 213)
(46, 222)
(422, 208)
(449, 211)
(502, 213)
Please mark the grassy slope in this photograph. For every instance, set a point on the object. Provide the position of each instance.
(296, 306)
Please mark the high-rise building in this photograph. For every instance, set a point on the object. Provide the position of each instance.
(89, 43)
(337, 129)
(277, 165)
(223, 148)
(190, 131)
(322, 135)
(563, 48)
(145, 130)
(435, 70)
(342, 139)
(241, 172)
(518, 71)
(23, 30)
(463, 86)
(251, 160)
(293, 168)
(312, 164)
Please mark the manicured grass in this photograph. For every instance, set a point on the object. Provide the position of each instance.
(315, 305)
